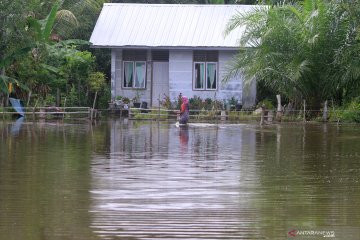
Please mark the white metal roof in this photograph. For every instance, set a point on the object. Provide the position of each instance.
(166, 26)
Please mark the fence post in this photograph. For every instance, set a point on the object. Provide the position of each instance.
(159, 108)
(279, 108)
(304, 110)
(262, 114)
(223, 115)
(325, 113)
(64, 108)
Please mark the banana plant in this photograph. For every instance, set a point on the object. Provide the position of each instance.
(43, 43)
(7, 61)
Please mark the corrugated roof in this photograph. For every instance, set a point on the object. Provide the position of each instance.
(166, 26)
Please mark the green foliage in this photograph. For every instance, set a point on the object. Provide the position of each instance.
(49, 101)
(166, 102)
(97, 81)
(76, 69)
(348, 113)
(242, 116)
(197, 103)
(154, 114)
(39, 58)
(104, 97)
(302, 51)
(267, 103)
(126, 100)
(72, 97)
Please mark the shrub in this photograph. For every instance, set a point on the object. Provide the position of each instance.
(351, 112)
(166, 102)
(268, 104)
(196, 103)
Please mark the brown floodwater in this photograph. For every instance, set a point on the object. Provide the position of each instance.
(122, 179)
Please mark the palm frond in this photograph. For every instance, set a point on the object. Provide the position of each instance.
(67, 17)
(50, 20)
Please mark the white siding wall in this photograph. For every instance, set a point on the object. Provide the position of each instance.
(181, 74)
(117, 75)
(116, 57)
(234, 87)
(244, 93)
(113, 74)
(180, 79)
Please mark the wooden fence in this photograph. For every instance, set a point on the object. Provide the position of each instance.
(195, 115)
(50, 112)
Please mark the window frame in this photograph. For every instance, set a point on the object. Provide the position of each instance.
(134, 75)
(205, 83)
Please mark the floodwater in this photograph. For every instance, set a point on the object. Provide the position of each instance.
(152, 180)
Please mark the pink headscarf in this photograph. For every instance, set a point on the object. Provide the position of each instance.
(185, 100)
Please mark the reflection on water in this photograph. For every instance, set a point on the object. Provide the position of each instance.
(150, 180)
(44, 181)
(164, 181)
(226, 181)
(15, 129)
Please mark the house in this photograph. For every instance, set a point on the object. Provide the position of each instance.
(162, 50)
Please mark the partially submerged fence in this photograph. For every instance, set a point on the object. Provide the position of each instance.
(260, 115)
(195, 115)
(49, 112)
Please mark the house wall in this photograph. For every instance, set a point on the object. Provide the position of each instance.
(180, 79)
(181, 74)
(117, 74)
(234, 86)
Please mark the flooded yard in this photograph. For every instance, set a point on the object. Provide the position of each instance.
(124, 179)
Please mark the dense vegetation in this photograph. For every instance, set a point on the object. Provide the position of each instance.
(43, 60)
(300, 49)
(304, 51)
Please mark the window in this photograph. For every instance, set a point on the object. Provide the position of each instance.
(205, 70)
(199, 75)
(211, 75)
(134, 69)
(134, 74)
(205, 76)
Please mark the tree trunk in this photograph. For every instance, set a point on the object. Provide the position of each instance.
(95, 99)
(4, 98)
(29, 96)
(58, 97)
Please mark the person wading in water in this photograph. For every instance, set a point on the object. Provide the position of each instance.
(184, 110)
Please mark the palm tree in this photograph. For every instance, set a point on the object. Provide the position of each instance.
(291, 49)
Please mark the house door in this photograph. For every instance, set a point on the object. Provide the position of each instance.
(160, 82)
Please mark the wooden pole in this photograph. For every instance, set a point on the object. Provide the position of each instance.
(93, 108)
(29, 97)
(279, 108)
(304, 110)
(262, 114)
(159, 108)
(64, 108)
(34, 109)
(325, 113)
